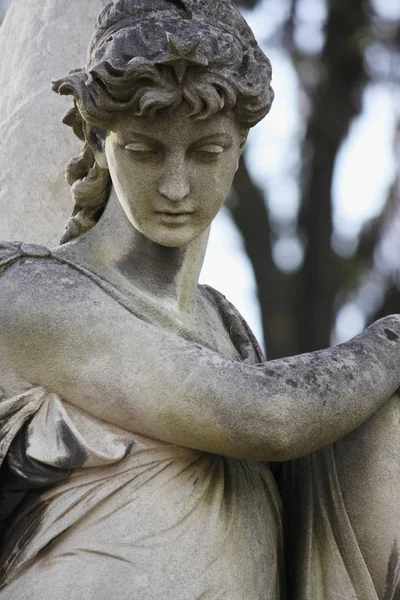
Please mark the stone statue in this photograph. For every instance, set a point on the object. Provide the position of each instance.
(137, 416)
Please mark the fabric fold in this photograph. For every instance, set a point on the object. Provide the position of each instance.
(130, 512)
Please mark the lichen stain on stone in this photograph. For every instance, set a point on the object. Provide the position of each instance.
(270, 372)
(393, 337)
(310, 378)
(292, 383)
(179, 4)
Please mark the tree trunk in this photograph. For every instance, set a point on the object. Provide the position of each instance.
(335, 103)
(275, 289)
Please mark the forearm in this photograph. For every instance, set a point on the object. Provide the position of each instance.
(292, 406)
(144, 379)
(275, 411)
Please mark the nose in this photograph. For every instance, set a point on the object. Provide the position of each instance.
(174, 183)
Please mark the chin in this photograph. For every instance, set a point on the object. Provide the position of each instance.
(173, 241)
(172, 237)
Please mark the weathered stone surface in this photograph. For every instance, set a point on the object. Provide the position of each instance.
(137, 418)
(39, 40)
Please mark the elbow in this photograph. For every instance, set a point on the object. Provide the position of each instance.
(277, 446)
(272, 436)
(288, 441)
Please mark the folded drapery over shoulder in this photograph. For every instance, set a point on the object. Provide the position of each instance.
(106, 505)
(110, 506)
(42, 440)
(14, 413)
(18, 474)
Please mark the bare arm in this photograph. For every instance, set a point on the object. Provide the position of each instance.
(97, 356)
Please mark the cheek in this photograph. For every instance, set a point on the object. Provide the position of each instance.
(220, 180)
(213, 191)
(132, 181)
(219, 175)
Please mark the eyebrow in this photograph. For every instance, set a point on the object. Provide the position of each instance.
(221, 135)
(124, 139)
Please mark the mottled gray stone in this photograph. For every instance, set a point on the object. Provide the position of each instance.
(141, 399)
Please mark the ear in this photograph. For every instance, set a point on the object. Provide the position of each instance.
(96, 137)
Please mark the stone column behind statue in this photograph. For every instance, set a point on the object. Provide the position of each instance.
(39, 40)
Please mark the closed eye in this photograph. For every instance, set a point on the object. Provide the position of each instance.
(141, 150)
(209, 152)
(212, 149)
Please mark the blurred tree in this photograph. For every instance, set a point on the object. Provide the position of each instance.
(3, 9)
(299, 309)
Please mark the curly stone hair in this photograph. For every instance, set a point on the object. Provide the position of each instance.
(148, 56)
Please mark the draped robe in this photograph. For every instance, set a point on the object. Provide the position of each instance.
(90, 510)
(343, 515)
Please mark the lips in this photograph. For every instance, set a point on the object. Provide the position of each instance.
(172, 217)
(174, 213)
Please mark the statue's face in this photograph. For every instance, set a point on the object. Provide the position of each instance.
(171, 173)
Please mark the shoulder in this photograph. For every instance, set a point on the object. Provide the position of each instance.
(40, 294)
(16, 276)
(30, 277)
(51, 315)
(44, 295)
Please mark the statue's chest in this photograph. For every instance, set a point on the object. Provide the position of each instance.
(204, 326)
(209, 327)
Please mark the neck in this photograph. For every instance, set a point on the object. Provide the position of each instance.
(115, 246)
